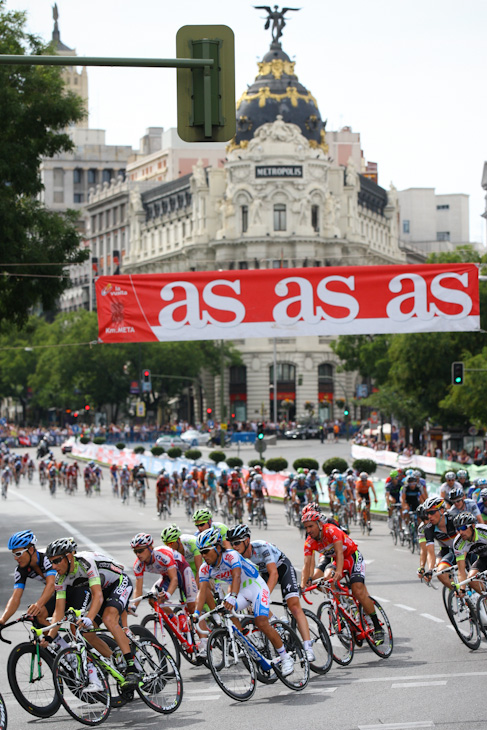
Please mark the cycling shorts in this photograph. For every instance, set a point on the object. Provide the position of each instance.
(237, 494)
(301, 496)
(117, 596)
(287, 580)
(412, 503)
(186, 584)
(446, 556)
(480, 564)
(323, 564)
(341, 497)
(366, 497)
(253, 592)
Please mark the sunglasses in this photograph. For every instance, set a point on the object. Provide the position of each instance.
(205, 551)
(457, 501)
(432, 512)
(463, 528)
(138, 551)
(56, 561)
(237, 542)
(18, 553)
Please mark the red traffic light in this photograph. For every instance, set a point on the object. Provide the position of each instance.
(87, 407)
(209, 411)
(75, 414)
(68, 410)
(146, 373)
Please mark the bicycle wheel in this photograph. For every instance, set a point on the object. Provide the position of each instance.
(87, 704)
(463, 617)
(383, 650)
(339, 632)
(394, 533)
(321, 643)
(412, 537)
(3, 714)
(162, 635)
(299, 677)
(482, 614)
(263, 645)
(30, 678)
(162, 686)
(231, 664)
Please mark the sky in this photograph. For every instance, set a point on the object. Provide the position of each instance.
(409, 75)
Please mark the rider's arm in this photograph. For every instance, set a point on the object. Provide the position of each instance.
(172, 574)
(12, 605)
(273, 579)
(373, 490)
(339, 559)
(46, 594)
(307, 569)
(430, 556)
(59, 611)
(139, 586)
(462, 572)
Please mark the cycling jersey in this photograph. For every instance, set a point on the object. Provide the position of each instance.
(339, 489)
(264, 552)
(362, 488)
(393, 488)
(411, 493)
(161, 561)
(326, 542)
(90, 569)
(445, 538)
(160, 564)
(190, 487)
(253, 589)
(258, 487)
(190, 549)
(222, 529)
(482, 509)
(477, 547)
(312, 484)
(211, 481)
(469, 506)
(44, 565)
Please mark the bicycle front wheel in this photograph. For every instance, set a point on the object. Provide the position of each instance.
(30, 678)
(162, 686)
(463, 616)
(263, 645)
(384, 649)
(482, 614)
(299, 677)
(3, 714)
(162, 635)
(86, 696)
(339, 632)
(231, 664)
(321, 644)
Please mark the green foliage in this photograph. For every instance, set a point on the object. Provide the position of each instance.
(85, 439)
(278, 463)
(305, 463)
(335, 463)
(217, 456)
(234, 461)
(35, 112)
(157, 450)
(174, 452)
(120, 446)
(139, 450)
(256, 462)
(193, 454)
(99, 440)
(365, 465)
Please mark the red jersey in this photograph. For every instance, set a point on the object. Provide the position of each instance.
(326, 542)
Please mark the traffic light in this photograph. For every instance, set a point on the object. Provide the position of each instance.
(208, 411)
(75, 414)
(346, 411)
(457, 370)
(68, 411)
(260, 431)
(87, 407)
(146, 381)
(203, 119)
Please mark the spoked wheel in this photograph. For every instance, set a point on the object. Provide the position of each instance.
(412, 538)
(339, 632)
(162, 686)
(162, 635)
(299, 677)
(86, 696)
(482, 614)
(3, 714)
(384, 649)
(394, 533)
(231, 665)
(463, 616)
(30, 678)
(263, 645)
(321, 645)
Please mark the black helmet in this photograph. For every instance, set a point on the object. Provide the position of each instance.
(62, 546)
(239, 532)
(464, 519)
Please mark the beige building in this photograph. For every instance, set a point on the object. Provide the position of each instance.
(431, 222)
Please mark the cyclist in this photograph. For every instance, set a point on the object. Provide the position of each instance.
(203, 519)
(422, 483)
(173, 537)
(274, 567)
(30, 564)
(422, 523)
(110, 589)
(393, 486)
(88, 478)
(475, 488)
(441, 528)
(362, 487)
(471, 541)
(449, 484)
(340, 494)
(313, 485)
(190, 490)
(6, 479)
(114, 478)
(211, 488)
(31, 467)
(256, 492)
(141, 483)
(299, 492)
(464, 480)
(482, 504)
(459, 503)
(97, 474)
(124, 483)
(236, 490)
(173, 570)
(335, 545)
(222, 483)
(243, 585)
(411, 496)
(163, 491)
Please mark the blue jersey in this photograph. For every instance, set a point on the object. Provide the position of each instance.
(222, 572)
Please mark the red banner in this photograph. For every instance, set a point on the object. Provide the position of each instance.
(214, 305)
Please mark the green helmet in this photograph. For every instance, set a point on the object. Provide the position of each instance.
(394, 474)
(172, 533)
(201, 516)
(300, 470)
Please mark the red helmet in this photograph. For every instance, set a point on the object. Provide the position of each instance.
(311, 515)
(234, 475)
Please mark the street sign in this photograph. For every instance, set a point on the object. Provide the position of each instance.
(140, 409)
(260, 446)
(473, 431)
(134, 387)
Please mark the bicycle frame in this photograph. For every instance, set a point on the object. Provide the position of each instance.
(163, 617)
(233, 630)
(342, 613)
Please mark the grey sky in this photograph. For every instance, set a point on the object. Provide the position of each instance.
(409, 75)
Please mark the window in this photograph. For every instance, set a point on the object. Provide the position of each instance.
(279, 263)
(107, 219)
(100, 221)
(405, 227)
(442, 207)
(285, 372)
(114, 214)
(58, 177)
(315, 217)
(92, 175)
(243, 265)
(77, 176)
(107, 175)
(122, 212)
(245, 217)
(443, 236)
(93, 223)
(58, 196)
(279, 217)
(77, 197)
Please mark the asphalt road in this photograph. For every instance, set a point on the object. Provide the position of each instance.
(431, 680)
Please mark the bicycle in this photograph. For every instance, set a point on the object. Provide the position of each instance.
(396, 531)
(288, 510)
(412, 533)
(3, 714)
(233, 656)
(467, 616)
(224, 507)
(4, 489)
(343, 517)
(125, 492)
(237, 509)
(258, 512)
(364, 517)
(163, 506)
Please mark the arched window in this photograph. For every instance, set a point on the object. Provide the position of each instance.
(325, 390)
(286, 390)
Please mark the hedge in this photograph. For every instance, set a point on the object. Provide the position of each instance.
(336, 462)
(120, 445)
(217, 456)
(256, 462)
(139, 449)
(174, 452)
(157, 450)
(234, 461)
(365, 465)
(99, 440)
(193, 454)
(278, 463)
(305, 463)
(85, 439)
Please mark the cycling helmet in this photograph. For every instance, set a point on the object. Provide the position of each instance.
(312, 507)
(420, 512)
(141, 539)
(411, 478)
(257, 467)
(456, 493)
(22, 540)
(433, 503)
(239, 532)
(211, 472)
(201, 516)
(483, 493)
(140, 470)
(300, 470)
(208, 538)
(482, 482)
(409, 472)
(234, 475)
(418, 474)
(172, 533)
(364, 475)
(313, 472)
(450, 475)
(62, 546)
(464, 519)
(462, 474)
(311, 515)
(258, 478)
(335, 471)
(339, 478)
(350, 471)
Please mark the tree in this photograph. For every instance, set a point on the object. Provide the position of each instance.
(35, 111)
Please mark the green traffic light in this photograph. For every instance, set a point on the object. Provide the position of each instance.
(458, 379)
(260, 436)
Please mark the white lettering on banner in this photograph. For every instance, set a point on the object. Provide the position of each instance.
(305, 298)
(419, 297)
(193, 315)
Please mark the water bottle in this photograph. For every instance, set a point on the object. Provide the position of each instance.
(183, 623)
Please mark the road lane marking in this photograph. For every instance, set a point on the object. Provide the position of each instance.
(207, 698)
(406, 608)
(369, 562)
(401, 685)
(433, 618)
(398, 725)
(421, 676)
(382, 600)
(67, 526)
(324, 690)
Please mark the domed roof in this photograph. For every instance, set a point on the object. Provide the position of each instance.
(277, 91)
